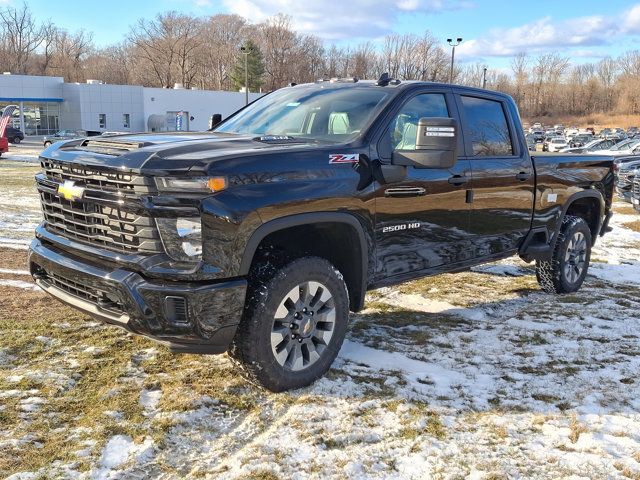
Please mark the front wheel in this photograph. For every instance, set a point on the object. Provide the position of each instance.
(16, 140)
(47, 144)
(567, 269)
(293, 325)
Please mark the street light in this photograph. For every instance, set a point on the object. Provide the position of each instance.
(453, 54)
(246, 51)
(484, 77)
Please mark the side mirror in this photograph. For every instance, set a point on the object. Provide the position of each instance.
(436, 144)
(214, 120)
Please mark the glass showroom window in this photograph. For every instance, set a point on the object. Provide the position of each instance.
(40, 118)
(102, 120)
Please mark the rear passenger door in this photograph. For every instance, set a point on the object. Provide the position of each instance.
(502, 176)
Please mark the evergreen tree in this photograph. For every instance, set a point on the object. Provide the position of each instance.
(255, 68)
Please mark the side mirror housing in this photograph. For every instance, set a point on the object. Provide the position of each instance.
(436, 145)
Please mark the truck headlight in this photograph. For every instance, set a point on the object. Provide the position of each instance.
(181, 237)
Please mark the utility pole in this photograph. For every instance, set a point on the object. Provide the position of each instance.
(484, 78)
(246, 51)
(453, 54)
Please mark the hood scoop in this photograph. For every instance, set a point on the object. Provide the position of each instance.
(109, 147)
(277, 139)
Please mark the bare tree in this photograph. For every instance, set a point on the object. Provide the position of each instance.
(167, 47)
(20, 37)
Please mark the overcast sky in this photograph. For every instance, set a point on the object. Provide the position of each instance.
(492, 30)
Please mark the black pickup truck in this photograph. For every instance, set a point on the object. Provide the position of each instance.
(259, 237)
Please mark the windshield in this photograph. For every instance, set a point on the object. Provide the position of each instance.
(332, 114)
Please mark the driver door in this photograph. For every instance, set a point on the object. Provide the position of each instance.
(422, 221)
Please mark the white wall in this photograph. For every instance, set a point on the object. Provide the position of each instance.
(200, 104)
(85, 102)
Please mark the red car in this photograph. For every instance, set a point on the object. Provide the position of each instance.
(4, 145)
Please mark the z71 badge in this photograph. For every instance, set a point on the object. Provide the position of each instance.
(344, 158)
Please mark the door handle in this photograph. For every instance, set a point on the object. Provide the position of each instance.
(523, 176)
(458, 180)
(404, 192)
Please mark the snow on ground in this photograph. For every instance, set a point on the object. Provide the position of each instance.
(477, 375)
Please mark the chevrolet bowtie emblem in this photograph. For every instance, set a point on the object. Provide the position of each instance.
(70, 191)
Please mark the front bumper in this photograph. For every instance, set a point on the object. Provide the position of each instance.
(205, 322)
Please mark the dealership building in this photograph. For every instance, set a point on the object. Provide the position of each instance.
(48, 104)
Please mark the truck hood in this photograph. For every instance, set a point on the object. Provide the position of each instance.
(175, 152)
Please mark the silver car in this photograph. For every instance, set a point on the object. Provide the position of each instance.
(63, 135)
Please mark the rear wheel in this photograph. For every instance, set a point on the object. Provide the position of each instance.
(293, 325)
(16, 140)
(567, 269)
(47, 144)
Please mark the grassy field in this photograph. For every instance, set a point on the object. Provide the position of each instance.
(472, 375)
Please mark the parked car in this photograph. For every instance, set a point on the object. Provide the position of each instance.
(629, 146)
(67, 135)
(538, 136)
(635, 191)
(13, 135)
(593, 146)
(625, 169)
(4, 145)
(580, 140)
(556, 144)
(569, 133)
(531, 142)
(258, 238)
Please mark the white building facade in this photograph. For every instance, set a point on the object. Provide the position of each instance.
(48, 104)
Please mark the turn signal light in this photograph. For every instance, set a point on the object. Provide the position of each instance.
(217, 184)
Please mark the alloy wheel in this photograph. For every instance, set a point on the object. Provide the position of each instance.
(575, 259)
(303, 325)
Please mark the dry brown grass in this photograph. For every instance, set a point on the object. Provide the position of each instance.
(635, 225)
(576, 429)
(13, 259)
(598, 120)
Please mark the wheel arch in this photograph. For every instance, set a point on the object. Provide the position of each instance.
(353, 267)
(589, 205)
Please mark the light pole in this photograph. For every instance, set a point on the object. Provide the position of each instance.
(484, 78)
(453, 54)
(246, 51)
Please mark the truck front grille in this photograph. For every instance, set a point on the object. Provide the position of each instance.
(636, 186)
(626, 177)
(98, 217)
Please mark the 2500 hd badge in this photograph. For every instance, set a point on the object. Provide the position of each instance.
(402, 226)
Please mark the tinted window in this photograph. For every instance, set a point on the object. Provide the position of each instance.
(404, 126)
(487, 127)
